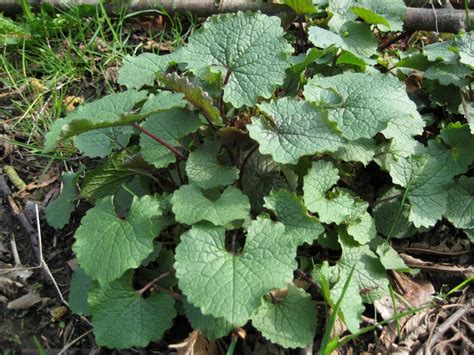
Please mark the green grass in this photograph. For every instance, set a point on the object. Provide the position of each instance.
(70, 53)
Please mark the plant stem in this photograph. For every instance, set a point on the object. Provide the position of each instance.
(154, 281)
(221, 99)
(302, 33)
(244, 164)
(172, 149)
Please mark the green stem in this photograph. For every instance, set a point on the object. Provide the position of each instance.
(168, 146)
(232, 345)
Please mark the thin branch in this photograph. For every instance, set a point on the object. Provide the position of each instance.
(172, 149)
(42, 261)
(393, 40)
(307, 278)
(244, 164)
(74, 341)
(439, 332)
(154, 281)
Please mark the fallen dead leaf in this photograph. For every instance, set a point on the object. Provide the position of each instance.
(25, 301)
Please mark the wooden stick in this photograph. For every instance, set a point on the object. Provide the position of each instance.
(445, 19)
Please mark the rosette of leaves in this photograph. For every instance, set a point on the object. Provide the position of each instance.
(217, 174)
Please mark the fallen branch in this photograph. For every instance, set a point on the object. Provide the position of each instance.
(200, 8)
(442, 20)
(458, 4)
(445, 19)
(448, 323)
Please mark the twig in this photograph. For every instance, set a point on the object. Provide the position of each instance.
(74, 341)
(16, 256)
(307, 278)
(43, 262)
(244, 164)
(154, 281)
(393, 40)
(443, 328)
(172, 149)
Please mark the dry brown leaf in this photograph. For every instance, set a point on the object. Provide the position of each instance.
(25, 301)
(71, 102)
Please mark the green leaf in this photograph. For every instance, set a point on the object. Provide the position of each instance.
(369, 102)
(290, 322)
(390, 258)
(289, 208)
(391, 217)
(402, 130)
(341, 13)
(194, 94)
(139, 186)
(212, 328)
(59, 210)
(442, 51)
(461, 144)
(354, 37)
(80, 284)
(171, 126)
(468, 112)
(107, 246)
(249, 46)
(261, 176)
(294, 129)
(108, 177)
(361, 150)
(191, 206)
(111, 110)
(361, 226)
(427, 177)
(370, 17)
(122, 318)
(141, 70)
(465, 47)
(301, 63)
(392, 11)
(368, 283)
(460, 209)
(102, 142)
(12, 32)
(231, 286)
(204, 170)
(339, 205)
(346, 57)
(163, 101)
(301, 7)
(447, 74)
